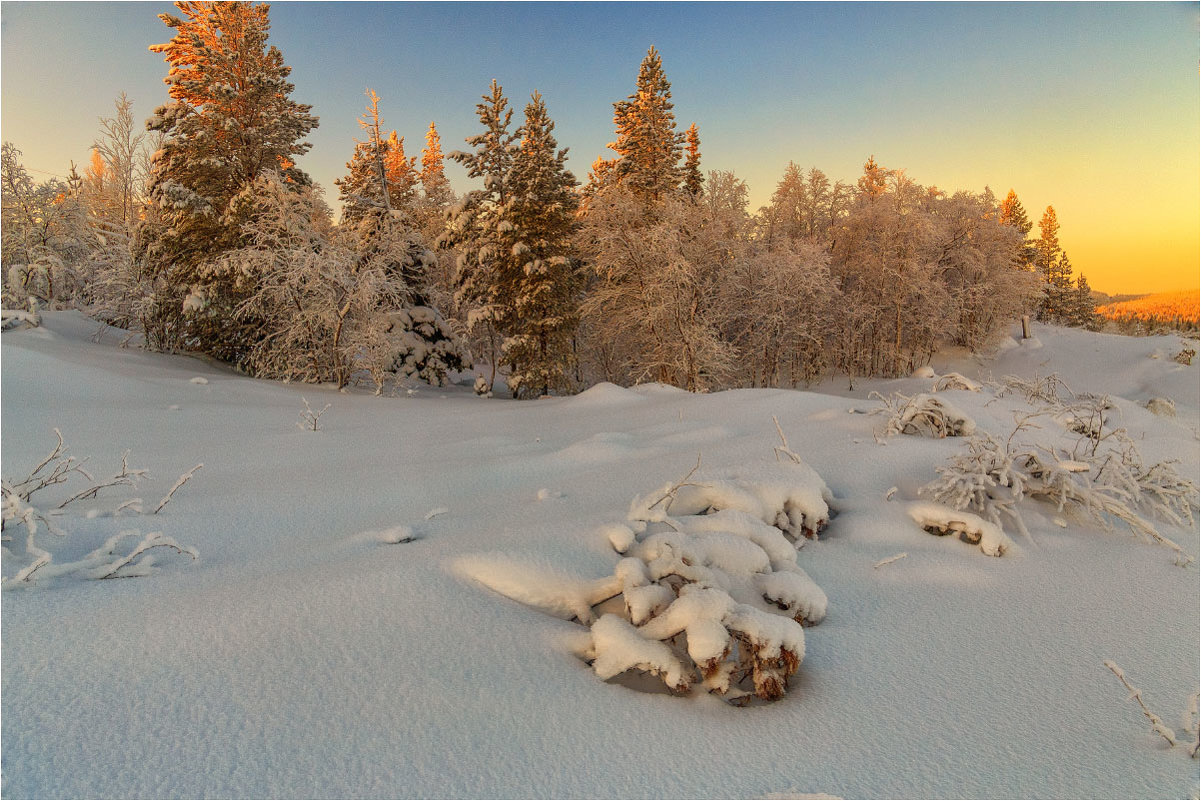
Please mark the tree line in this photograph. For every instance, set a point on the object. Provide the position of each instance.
(202, 233)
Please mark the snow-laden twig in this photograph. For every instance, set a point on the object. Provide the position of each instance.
(670, 492)
(125, 477)
(889, 561)
(20, 507)
(1157, 724)
(179, 483)
(1193, 723)
(309, 419)
(782, 449)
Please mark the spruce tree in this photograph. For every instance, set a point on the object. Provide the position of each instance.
(693, 179)
(230, 120)
(873, 182)
(1052, 265)
(647, 144)
(401, 172)
(538, 292)
(475, 228)
(1083, 307)
(433, 178)
(1014, 215)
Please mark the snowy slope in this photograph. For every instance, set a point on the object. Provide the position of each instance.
(300, 656)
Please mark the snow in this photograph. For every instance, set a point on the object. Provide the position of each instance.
(294, 659)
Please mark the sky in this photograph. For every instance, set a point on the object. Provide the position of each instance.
(1092, 108)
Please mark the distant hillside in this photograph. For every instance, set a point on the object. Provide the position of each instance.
(1178, 310)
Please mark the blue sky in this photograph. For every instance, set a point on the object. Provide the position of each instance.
(1090, 107)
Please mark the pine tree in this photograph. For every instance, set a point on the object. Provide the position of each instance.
(693, 179)
(538, 291)
(379, 175)
(229, 121)
(647, 144)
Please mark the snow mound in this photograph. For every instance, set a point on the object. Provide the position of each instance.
(942, 520)
(1162, 407)
(539, 586)
(790, 496)
(603, 394)
(657, 388)
(710, 589)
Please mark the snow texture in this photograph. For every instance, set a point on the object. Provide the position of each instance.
(289, 662)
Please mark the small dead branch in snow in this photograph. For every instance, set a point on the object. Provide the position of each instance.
(20, 507)
(182, 480)
(782, 448)
(670, 494)
(1157, 725)
(889, 561)
(308, 418)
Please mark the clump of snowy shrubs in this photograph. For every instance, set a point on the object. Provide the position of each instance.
(956, 381)
(125, 554)
(709, 592)
(923, 415)
(1102, 475)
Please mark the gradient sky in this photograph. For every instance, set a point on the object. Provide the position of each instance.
(1092, 108)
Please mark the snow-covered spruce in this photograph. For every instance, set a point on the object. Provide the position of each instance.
(923, 415)
(972, 529)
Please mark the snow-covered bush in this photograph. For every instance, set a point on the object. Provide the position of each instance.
(923, 415)
(943, 520)
(709, 591)
(955, 381)
(1162, 407)
(1109, 483)
(424, 345)
(1048, 389)
(115, 558)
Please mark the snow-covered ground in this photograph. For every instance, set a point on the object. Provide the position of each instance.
(308, 653)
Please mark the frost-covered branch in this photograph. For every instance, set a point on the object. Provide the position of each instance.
(1157, 724)
(20, 506)
(309, 420)
(174, 487)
